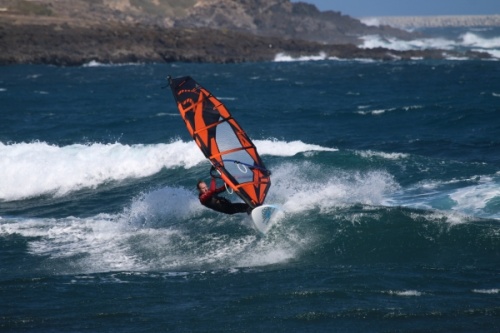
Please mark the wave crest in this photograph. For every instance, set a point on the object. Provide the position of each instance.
(39, 168)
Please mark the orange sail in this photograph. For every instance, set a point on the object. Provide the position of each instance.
(222, 140)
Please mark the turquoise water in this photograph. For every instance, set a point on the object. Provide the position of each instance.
(388, 174)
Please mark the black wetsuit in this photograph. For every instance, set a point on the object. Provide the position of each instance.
(211, 200)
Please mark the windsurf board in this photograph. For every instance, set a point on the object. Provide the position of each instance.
(264, 217)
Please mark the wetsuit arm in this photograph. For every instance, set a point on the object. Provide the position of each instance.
(220, 189)
(205, 197)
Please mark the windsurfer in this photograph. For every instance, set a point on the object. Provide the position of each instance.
(209, 198)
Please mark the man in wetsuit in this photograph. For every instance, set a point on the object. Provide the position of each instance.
(209, 198)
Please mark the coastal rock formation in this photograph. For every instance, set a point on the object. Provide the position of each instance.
(116, 31)
(284, 19)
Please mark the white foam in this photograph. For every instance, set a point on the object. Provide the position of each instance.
(162, 207)
(94, 63)
(284, 148)
(473, 199)
(406, 293)
(329, 190)
(456, 198)
(39, 168)
(375, 41)
(94, 244)
(371, 21)
(486, 291)
(494, 53)
(159, 230)
(468, 40)
(282, 57)
(389, 156)
(377, 112)
(473, 40)
(169, 114)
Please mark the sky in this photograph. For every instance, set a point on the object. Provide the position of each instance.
(367, 8)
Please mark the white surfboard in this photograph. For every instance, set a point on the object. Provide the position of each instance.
(264, 217)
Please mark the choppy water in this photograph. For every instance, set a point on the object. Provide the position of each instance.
(388, 174)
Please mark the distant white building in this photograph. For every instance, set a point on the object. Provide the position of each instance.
(413, 22)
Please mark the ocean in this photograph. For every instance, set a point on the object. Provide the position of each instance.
(388, 174)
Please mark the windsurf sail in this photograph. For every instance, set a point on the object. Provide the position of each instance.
(222, 140)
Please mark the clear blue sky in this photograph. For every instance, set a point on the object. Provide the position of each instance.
(364, 8)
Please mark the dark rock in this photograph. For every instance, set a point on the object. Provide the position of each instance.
(223, 31)
(284, 19)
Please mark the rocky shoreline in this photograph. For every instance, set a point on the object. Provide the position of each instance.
(72, 45)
